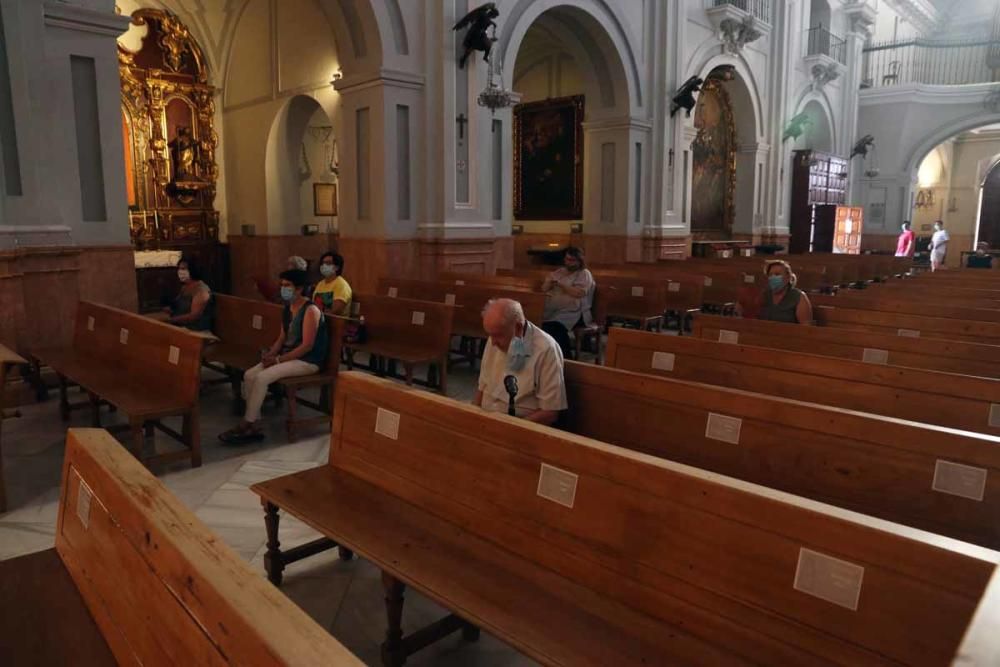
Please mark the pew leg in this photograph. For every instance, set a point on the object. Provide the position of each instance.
(149, 430)
(344, 553)
(95, 410)
(63, 398)
(273, 563)
(470, 632)
(292, 395)
(192, 436)
(443, 381)
(235, 382)
(408, 369)
(393, 651)
(138, 437)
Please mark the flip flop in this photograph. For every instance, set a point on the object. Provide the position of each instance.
(237, 437)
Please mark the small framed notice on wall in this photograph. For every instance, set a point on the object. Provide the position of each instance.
(325, 199)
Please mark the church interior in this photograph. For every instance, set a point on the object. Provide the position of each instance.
(525, 332)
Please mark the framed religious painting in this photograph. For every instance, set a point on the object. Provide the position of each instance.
(324, 199)
(548, 159)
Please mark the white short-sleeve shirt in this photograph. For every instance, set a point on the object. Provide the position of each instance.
(540, 383)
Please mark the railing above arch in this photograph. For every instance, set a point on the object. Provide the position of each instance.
(934, 62)
(759, 9)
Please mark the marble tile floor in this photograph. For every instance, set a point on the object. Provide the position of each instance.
(345, 598)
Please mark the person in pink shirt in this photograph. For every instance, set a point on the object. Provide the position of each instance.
(905, 244)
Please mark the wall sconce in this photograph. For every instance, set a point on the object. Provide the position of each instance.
(925, 198)
(338, 74)
(576, 228)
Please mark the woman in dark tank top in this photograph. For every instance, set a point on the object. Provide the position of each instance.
(781, 300)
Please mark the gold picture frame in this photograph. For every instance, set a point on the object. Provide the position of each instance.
(324, 199)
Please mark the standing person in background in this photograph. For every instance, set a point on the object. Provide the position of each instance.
(269, 289)
(939, 246)
(906, 243)
(332, 293)
(569, 294)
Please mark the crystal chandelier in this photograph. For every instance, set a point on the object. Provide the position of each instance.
(495, 97)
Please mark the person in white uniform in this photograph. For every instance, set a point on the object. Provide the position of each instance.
(518, 348)
(939, 245)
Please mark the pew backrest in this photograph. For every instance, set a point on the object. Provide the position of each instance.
(246, 323)
(420, 324)
(904, 324)
(912, 306)
(161, 587)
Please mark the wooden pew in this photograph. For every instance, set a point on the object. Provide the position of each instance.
(955, 401)
(147, 369)
(909, 306)
(8, 360)
(949, 356)
(904, 324)
(576, 552)
(135, 578)
(246, 326)
(409, 331)
(528, 283)
(883, 467)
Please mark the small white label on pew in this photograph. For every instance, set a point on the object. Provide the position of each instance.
(175, 355)
(387, 423)
(873, 355)
(637, 290)
(663, 361)
(123, 336)
(257, 322)
(749, 278)
(90, 323)
(994, 419)
(828, 578)
(393, 292)
(727, 336)
(708, 281)
(557, 485)
(673, 287)
(418, 318)
(449, 299)
(908, 333)
(721, 427)
(459, 282)
(959, 480)
(83, 497)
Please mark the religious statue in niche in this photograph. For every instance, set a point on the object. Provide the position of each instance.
(182, 150)
(714, 162)
(548, 159)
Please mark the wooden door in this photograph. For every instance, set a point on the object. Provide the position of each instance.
(989, 212)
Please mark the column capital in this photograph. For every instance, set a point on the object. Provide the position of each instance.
(84, 18)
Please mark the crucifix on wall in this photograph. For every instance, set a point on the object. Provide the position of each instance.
(461, 120)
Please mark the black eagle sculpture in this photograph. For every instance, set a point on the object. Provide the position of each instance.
(862, 146)
(685, 96)
(479, 21)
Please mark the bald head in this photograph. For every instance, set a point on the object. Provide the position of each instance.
(503, 319)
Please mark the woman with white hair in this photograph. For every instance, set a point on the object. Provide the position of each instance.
(270, 290)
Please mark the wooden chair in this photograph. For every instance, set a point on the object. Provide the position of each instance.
(8, 359)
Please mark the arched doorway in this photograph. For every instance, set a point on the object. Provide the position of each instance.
(301, 169)
(988, 228)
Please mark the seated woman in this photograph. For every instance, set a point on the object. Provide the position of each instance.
(781, 300)
(192, 308)
(982, 259)
(569, 294)
(299, 349)
(332, 293)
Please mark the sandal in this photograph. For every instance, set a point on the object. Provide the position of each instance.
(241, 436)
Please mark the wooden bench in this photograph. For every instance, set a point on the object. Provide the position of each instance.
(576, 552)
(8, 360)
(147, 369)
(409, 331)
(909, 306)
(135, 578)
(244, 327)
(962, 402)
(949, 356)
(882, 467)
(905, 324)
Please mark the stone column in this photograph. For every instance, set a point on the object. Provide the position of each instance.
(861, 19)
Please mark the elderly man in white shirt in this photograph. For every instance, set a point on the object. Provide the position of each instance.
(519, 349)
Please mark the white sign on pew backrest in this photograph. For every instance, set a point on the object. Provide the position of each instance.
(459, 282)
(83, 497)
(449, 299)
(908, 333)
(417, 318)
(123, 336)
(90, 323)
(637, 290)
(174, 355)
(257, 322)
(673, 287)
(723, 428)
(749, 278)
(393, 292)
(994, 419)
(727, 336)
(959, 480)
(663, 361)
(387, 423)
(557, 485)
(828, 578)
(872, 355)
(708, 281)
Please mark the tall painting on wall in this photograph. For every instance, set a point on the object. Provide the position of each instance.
(548, 159)
(714, 160)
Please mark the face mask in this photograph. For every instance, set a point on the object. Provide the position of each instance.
(775, 283)
(517, 354)
(183, 275)
(287, 293)
(327, 270)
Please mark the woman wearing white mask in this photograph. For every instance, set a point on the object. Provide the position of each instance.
(782, 301)
(332, 293)
(192, 309)
(939, 246)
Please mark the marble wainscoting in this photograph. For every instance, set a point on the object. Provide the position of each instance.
(604, 249)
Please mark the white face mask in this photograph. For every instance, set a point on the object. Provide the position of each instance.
(327, 270)
(183, 275)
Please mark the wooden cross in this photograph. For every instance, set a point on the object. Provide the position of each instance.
(461, 120)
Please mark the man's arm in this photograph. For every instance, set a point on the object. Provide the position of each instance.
(545, 417)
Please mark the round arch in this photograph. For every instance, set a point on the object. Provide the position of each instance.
(941, 135)
(747, 95)
(596, 30)
(820, 134)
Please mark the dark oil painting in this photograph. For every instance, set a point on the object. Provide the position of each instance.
(548, 159)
